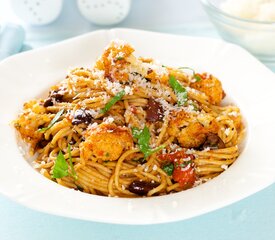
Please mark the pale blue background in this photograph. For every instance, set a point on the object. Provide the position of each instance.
(251, 218)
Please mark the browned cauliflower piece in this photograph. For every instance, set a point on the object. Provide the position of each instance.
(211, 86)
(209, 122)
(191, 133)
(158, 76)
(192, 136)
(106, 142)
(30, 120)
(113, 61)
(178, 121)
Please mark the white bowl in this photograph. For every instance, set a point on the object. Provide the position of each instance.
(251, 85)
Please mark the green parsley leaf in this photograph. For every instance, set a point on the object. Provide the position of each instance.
(143, 137)
(119, 58)
(183, 164)
(71, 163)
(179, 90)
(195, 106)
(195, 76)
(113, 101)
(169, 168)
(54, 120)
(60, 168)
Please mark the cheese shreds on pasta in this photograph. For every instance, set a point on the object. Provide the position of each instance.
(131, 127)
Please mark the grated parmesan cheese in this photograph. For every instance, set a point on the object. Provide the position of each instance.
(108, 120)
(224, 166)
(227, 131)
(155, 167)
(190, 151)
(262, 10)
(146, 168)
(234, 114)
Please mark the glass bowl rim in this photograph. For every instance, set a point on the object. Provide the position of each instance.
(208, 4)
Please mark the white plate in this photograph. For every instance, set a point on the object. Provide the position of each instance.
(246, 80)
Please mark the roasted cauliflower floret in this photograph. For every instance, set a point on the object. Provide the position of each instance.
(178, 121)
(209, 122)
(211, 86)
(192, 136)
(106, 142)
(158, 73)
(32, 118)
(191, 132)
(113, 61)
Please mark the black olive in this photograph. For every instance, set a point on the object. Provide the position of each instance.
(141, 188)
(54, 96)
(48, 102)
(82, 116)
(42, 143)
(58, 96)
(154, 111)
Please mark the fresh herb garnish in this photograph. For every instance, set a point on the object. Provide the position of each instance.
(169, 168)
(195, 106)
(143, 137)
(195, 76)
(54, 120)
(113, 101)
(61, 167)
(183, 164)
(179, 90)
(119, 58)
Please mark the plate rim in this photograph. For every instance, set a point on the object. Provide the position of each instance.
(157, 220)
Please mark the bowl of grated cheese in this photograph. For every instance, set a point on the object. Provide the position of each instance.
(248, 23)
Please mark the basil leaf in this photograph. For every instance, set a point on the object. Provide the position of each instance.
(60, 168)
(195, 106)
(54, 120)
(184, 164)
(71, 163)
(179, 90)
(113, 100)
(143, 137)
(195, 76)
(119, 58)
(151, 151)
(169, 168)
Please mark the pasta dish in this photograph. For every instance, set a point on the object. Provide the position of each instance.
(131, 127)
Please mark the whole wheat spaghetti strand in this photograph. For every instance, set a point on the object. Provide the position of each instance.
(188, 127)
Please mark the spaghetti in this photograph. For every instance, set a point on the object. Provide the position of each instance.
(130, 127)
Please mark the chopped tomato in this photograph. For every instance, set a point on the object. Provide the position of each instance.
(184, 172)
(186, 177)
